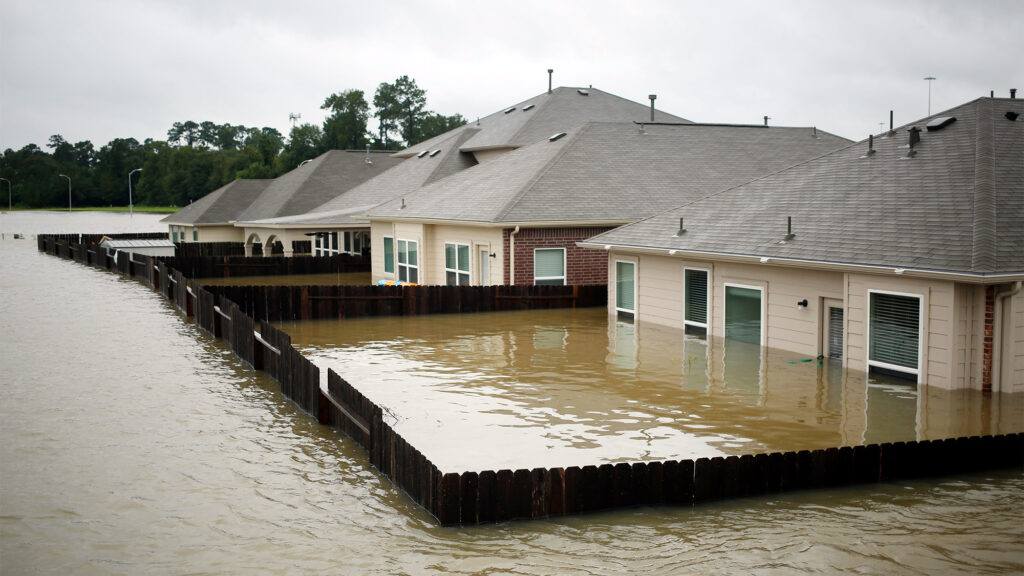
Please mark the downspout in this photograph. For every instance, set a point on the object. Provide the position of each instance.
(997, 333)
(512, 257)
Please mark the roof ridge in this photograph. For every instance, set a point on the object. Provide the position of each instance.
(574, 139)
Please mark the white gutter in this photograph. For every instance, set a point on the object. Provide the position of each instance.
(997, 333)
(512, 256)
(816, 264)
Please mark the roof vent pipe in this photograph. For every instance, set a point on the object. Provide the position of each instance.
(682, 229)
(915, 137)
(1013, 93)
(789, 228)
(766, 119)
(871, 144)
(890, 123)
(550, 72)
(368, 161)
(653, 97)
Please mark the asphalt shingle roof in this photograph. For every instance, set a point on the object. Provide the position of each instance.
(956, 205)
(611, 172)
(545, 114)
(316, 182)
(222, 206)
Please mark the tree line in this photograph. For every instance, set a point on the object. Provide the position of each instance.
(199, 157)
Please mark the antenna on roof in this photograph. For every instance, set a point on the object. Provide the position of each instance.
(550, 72)
(292, 117)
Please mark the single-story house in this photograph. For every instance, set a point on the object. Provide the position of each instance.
(337, 225)
(902, 254)
(517, 218)
(212, 217)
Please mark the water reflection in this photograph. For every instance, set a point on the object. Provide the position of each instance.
(565, 387)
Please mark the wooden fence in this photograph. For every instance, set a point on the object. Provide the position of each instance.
(237, 266)
(502, 495)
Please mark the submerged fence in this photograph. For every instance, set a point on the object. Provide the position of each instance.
(237, 266)
(234, 313)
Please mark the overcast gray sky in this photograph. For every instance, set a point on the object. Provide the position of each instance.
(102, 69)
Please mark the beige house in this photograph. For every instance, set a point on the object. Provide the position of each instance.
(901, 255)
(517, 219)
(212, 217)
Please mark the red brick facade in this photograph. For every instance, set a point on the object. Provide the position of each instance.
(990, 319)
(582, 266)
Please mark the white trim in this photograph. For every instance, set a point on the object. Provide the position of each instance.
(920, 334)
(399, 265)
(636, 282)
(565, 270)
(456, 270)
(764, 307)
(394, 254)
(708, 287)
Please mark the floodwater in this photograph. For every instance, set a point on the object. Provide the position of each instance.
(134, 443)
(567, 387)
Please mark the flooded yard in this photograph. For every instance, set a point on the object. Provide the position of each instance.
(572, 387)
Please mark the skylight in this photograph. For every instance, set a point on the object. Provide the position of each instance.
(940, 123)
(556, 136)
(583, 92)
(422, 154)
(435, 152)
(510, 109)
(528, 107)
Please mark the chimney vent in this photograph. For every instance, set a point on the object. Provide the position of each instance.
(871, 144)
(682, 229)
(891, 133)
(766, 119)
(1013, 93)
(915, 137)
(653, 97)
(789, 229)
(550, 72)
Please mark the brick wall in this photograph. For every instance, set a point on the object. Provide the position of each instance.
(583, 266)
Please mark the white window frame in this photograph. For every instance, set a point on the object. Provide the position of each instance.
(920, 335)
(394, 254)
(565, 267)
(709, 286)
(764, 306)
(468, 272)
(636, 282)
(398, 262)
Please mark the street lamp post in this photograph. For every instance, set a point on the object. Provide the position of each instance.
(8, 192)
(69, 190)
(929, 79)
(130, 189)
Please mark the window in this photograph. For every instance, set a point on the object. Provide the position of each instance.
(549, 267)
(389, 255)
(743, 313)
(695, 300)
(625, 288)
(456, 264)
(894, 332)
(325, 244)
(174, 234)
(195, 234)
(408, 263)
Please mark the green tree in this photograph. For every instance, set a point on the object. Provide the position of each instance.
(305, 142)
(400, 106)
(345, 126)
(434, 124)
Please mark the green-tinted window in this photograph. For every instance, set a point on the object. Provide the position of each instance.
(408, 268)
(743, 314)
(625, 286)
(389, 255)
(456, 264)
(895, 331)
(549, 266)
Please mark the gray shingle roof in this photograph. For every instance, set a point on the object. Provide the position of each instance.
(316, 182)
(611, 172)
(222, 206)
(957, 205)
(564, 108)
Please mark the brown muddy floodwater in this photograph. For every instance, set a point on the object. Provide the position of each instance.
(134, 443)
(569, 387)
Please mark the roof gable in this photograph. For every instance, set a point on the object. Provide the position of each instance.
(222, 206)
